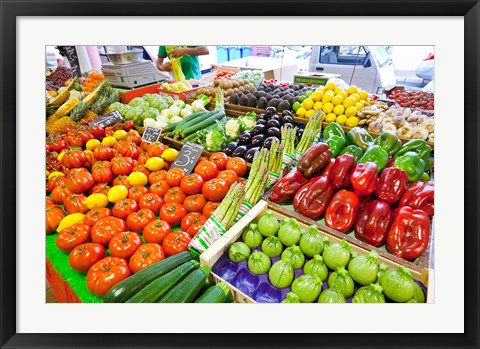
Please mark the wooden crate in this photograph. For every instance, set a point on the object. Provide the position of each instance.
(424, 275)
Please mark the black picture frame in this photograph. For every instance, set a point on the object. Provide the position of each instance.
(9, 338)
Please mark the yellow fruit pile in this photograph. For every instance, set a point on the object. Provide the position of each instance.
(337, 104)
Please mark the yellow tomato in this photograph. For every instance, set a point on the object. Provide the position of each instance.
(330, 117)
(92, 144)
(170, 154)
(137, 178)
(117, 193)
(352, 121)
(96, 200)
(109, 140)
(154, 164)
(56, 174)
(341, 119)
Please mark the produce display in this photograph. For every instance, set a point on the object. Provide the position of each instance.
(413, 99)
(178, 86)
(229, 85)
(280, 262)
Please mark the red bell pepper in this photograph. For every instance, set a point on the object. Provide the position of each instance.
(286, 188)
(328, 170)
(373, 222)
(420, 195)
(301, 192)
(315, 199)
(342, 210)
(410, 232)
(364, 179)
(314, 160)
(342, 171)
(391, 185)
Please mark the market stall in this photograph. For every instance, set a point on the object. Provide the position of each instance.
(240, 189)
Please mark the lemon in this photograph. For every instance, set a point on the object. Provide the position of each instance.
(351, 111)
(317, 96)
(154, 164)
(341, 119)
(349, 102)
(343, 94)
(117, 193)
(310, 112)
(92, 144)
(327, 97)
(352, 89)
(339, 109)
(295, 106)
(330, 117)
(60, 156)
(95, 201)
(70, 220)
(337, 100)
(359, 105)
(120, 135)
(338, 90)
(330, 86)
(318, 106)
(56, 174)
(301, 112)
(302, 98)
(137, 178)
(356, 96)
(109, 140)
(352, 121)
(170, 154)
(363, 95)
(327, 108)
(308, 103)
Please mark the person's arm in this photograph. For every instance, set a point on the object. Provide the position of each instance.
(192, 51)
(163, 66)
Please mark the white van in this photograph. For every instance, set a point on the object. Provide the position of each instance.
(368, 67)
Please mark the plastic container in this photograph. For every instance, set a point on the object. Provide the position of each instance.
(222, 54)
(234, 52)
(246, 51)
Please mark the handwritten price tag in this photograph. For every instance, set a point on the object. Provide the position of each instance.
(188, 157)
(107, 119)
(151, 134)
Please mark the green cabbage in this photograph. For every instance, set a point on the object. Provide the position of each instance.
(342, 281)
(252, 237)
(133, 113)
(363, 269)
(307, 288)
(311, 241)
(291, 298)
(295, 255)
(272, 246)
(315, 266)
(369, 294)
(289, 232)
(139, 102)
(281, 273)
(268, 224)
(337, 255)
(397, 284)
(238, 252)
(259, 263)
(331, 295)
(150, 113)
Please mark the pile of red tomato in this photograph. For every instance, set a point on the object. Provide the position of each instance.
(170, 199)
(413, 99)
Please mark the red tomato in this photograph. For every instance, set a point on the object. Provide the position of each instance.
(192, 218)
(124, 207)
(101, 188)
(238, 165)
(220, 159)
(73, 158)
(137, 221)
(74, 204)
(157, 176)
(129, 125)
(60, 193)
(192, 184)
(156, 230)
(105, 274)
(95, 215)
(73, 236)
(142, 158)
(122, 180)
(172, 213)
(228, 176)
(56, 143)
(174, 194)
(133, 137)
(80, 181)
(209, 208)
(124, 245)
(194, 229)
(127, 149)
(106, 228)
(174, 177)
(176, 242)
(53, 217)
(194, 203)
(140, 168)
(55, 182)
(146, 255)
(160, 188)
(83, 256)
(207, 170)
(156, 149)
(103, 152)
(98, 132)
(151, 201)
(121, 166)
(136, 192)
(73, 141)
(215, 190)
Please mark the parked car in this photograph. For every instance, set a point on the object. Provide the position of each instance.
(426, 68)
(369, 67)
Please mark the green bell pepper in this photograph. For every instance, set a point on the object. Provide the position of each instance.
(360, 137)
(353, 150)
(425, 177)
(334, 129)
(336, 144)
(388, 141)
(420, 147)
(411, 163)
(377, 155)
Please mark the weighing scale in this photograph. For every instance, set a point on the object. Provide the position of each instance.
(132, 75)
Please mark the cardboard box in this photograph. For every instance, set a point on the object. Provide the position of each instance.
(316, 79)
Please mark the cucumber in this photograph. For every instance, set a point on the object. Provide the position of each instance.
(197, 120)
(159, 287)
(203, 124)
(188, 288)
(215, 294)
(190, 118)
(131, 285)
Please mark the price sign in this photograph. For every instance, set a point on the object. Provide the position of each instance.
(70, 53)
(107, 119)
(151, 134)
(188, 157)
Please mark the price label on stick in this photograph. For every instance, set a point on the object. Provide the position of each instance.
(151, 134)
(188, 157)
(107, 119)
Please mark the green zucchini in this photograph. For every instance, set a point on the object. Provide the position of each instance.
(159, 287)
(215, 294)
(131, 285)
(195, 121)
(198, 126)
(188, 288)
(189, 118)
